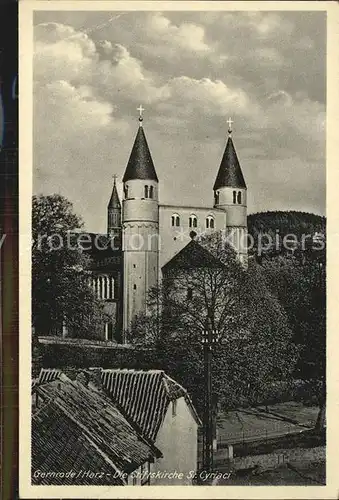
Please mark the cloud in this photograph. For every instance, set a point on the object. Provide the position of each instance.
(267, 24)
(191, 71)
(186, 36)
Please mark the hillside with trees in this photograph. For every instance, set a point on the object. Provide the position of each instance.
(308, 230)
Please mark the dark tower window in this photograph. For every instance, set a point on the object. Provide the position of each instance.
(151, 191)
(216, 197)
(126, 191)
(146, 191)
(189, 293)
(234, 196)
(134, 287)
(239, 197)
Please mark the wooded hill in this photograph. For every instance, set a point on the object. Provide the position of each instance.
(277, 224)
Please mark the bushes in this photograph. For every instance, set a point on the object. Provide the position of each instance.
(85, 355)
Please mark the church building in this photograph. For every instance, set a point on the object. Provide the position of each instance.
(145, 235)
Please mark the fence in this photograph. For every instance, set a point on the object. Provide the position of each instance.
(262, 434)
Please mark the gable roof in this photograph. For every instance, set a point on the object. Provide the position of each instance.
(144, 396)
(229, 174)
(140, 164)
(98, 427)
(59, 444)
(193, 255)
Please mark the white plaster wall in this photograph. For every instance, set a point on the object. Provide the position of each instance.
(178, 441)
(174, 239)
(236, 213)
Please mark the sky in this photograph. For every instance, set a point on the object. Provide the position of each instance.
(191, 71)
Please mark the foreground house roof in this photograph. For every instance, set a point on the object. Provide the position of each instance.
(59, 444)
(144, 396)
(69, 412)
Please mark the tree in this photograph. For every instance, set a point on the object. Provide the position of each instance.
(60, 291)
(301, 289)
(205, 286)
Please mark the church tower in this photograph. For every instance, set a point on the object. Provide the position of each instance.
(140, 219)
(230, 195)
(114, 214)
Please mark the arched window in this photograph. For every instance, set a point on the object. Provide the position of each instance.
(239, 197)
(126, 190)
(216, 198)
(146, 191)
(175, 219)
(210, 222)
(193, 221)
(234, 196)
(151, 191)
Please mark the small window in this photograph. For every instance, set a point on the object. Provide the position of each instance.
(174, 408)
(146, 191)
(193, 221)
(151, 191)
(216, 198)
(239, 197)
(175, 220)
(189, 293)
(234, 196)
(126, 191)
(134, 287)
(209, 222)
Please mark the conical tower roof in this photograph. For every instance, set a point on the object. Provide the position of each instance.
(229, 174)
(140, 164)
(114, 201)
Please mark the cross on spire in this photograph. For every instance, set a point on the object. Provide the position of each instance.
(229, 122)
(140, 109)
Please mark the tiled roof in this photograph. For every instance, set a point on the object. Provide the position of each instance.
(140, 164)
(46, 375)
(60, 445)
(229, 174)
(98, 423)
(144, 396)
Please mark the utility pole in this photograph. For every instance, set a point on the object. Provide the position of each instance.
(209, 338)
